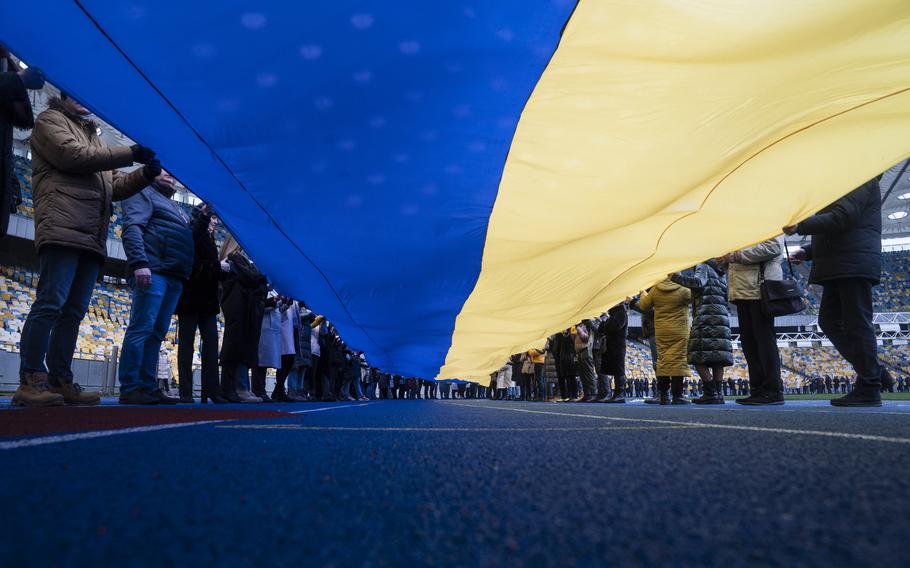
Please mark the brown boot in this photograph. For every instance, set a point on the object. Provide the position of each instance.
(72, 392)
(36, 392)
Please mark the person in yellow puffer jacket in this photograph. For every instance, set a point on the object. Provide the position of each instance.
(671, 328)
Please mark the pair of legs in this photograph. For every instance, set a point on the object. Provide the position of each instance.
(187, 324)
(65, 284)
(150, 318)
(759, 344)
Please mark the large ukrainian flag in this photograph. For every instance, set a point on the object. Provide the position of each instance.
(452, 181)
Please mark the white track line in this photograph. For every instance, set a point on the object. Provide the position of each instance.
(439, 429)
(330, 408)
(60, 438)
(821, 433)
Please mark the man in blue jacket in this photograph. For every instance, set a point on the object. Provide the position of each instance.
(159, 250)
(846, 260)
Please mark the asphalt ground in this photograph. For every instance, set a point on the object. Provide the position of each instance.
(456, 483)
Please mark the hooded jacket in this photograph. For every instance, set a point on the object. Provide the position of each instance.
(847, 237)
(710, 340)
(73, 181)
(671, 326)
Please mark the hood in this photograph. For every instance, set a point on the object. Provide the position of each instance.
(667, 286)
(56, 103)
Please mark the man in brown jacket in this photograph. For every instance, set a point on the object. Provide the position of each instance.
(74, 186)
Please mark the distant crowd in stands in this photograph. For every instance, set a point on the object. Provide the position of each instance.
(175, 266)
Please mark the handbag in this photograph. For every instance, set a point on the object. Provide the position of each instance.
(781, 297)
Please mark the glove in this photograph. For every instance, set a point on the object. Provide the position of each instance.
(141, 154)
(152, 169)
(32, 78)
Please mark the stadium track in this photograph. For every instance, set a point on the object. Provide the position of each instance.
(466, 482)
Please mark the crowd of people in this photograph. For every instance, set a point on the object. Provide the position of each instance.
(176, 267)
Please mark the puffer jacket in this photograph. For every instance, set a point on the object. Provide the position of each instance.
(710, 340)
(671, 326)
(303, 331)
(73, 182)
(243, 295)
(157, 235)
(744, 276)
(15, 111)
(847, 237)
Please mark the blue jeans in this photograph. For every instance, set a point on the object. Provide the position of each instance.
(65, 287)
(150, 319)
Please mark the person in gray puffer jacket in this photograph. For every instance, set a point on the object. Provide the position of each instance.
(710, 338)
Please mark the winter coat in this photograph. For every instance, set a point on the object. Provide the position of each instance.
(15, 111)
(614, 330)
(550, 364)
(847, 237)
(563, 347)
(270, 338)
(164, 372)
(303, 332)
(290, 318)
(157, 235)
(73, 182)
(671, 326)
(744, 275)
(710, 340)
(200, 292)
(504, 376)
(537, 356)
(243, 295)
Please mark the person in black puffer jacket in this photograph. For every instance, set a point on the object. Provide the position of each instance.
(198, 309)
(159, 253)
(710, 339)
(615, 329)
(846, 260)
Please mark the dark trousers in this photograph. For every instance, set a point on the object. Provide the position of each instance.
(257, 382)
(845, 315)
(65, 286)
(187, 324)
(756, 333)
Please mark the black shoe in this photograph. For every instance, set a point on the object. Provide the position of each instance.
(617, 398)
(139, 397)
(263, 396)
(187, 400)
(215, 398)
(763, 399)
(590, 398)
(163, 398)
(861, 396)
(662, 400)
(679, 400)
(280, 396)
(707, 399)
(230, 396)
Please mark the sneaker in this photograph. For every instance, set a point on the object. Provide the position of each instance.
(859, 397)
(138, 397)
(36, 392)
(247, 397)
(73, 393)
(763, 399)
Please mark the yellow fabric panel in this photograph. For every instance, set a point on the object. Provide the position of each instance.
(665, 132)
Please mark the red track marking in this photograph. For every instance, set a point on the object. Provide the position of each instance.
(37, 421)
